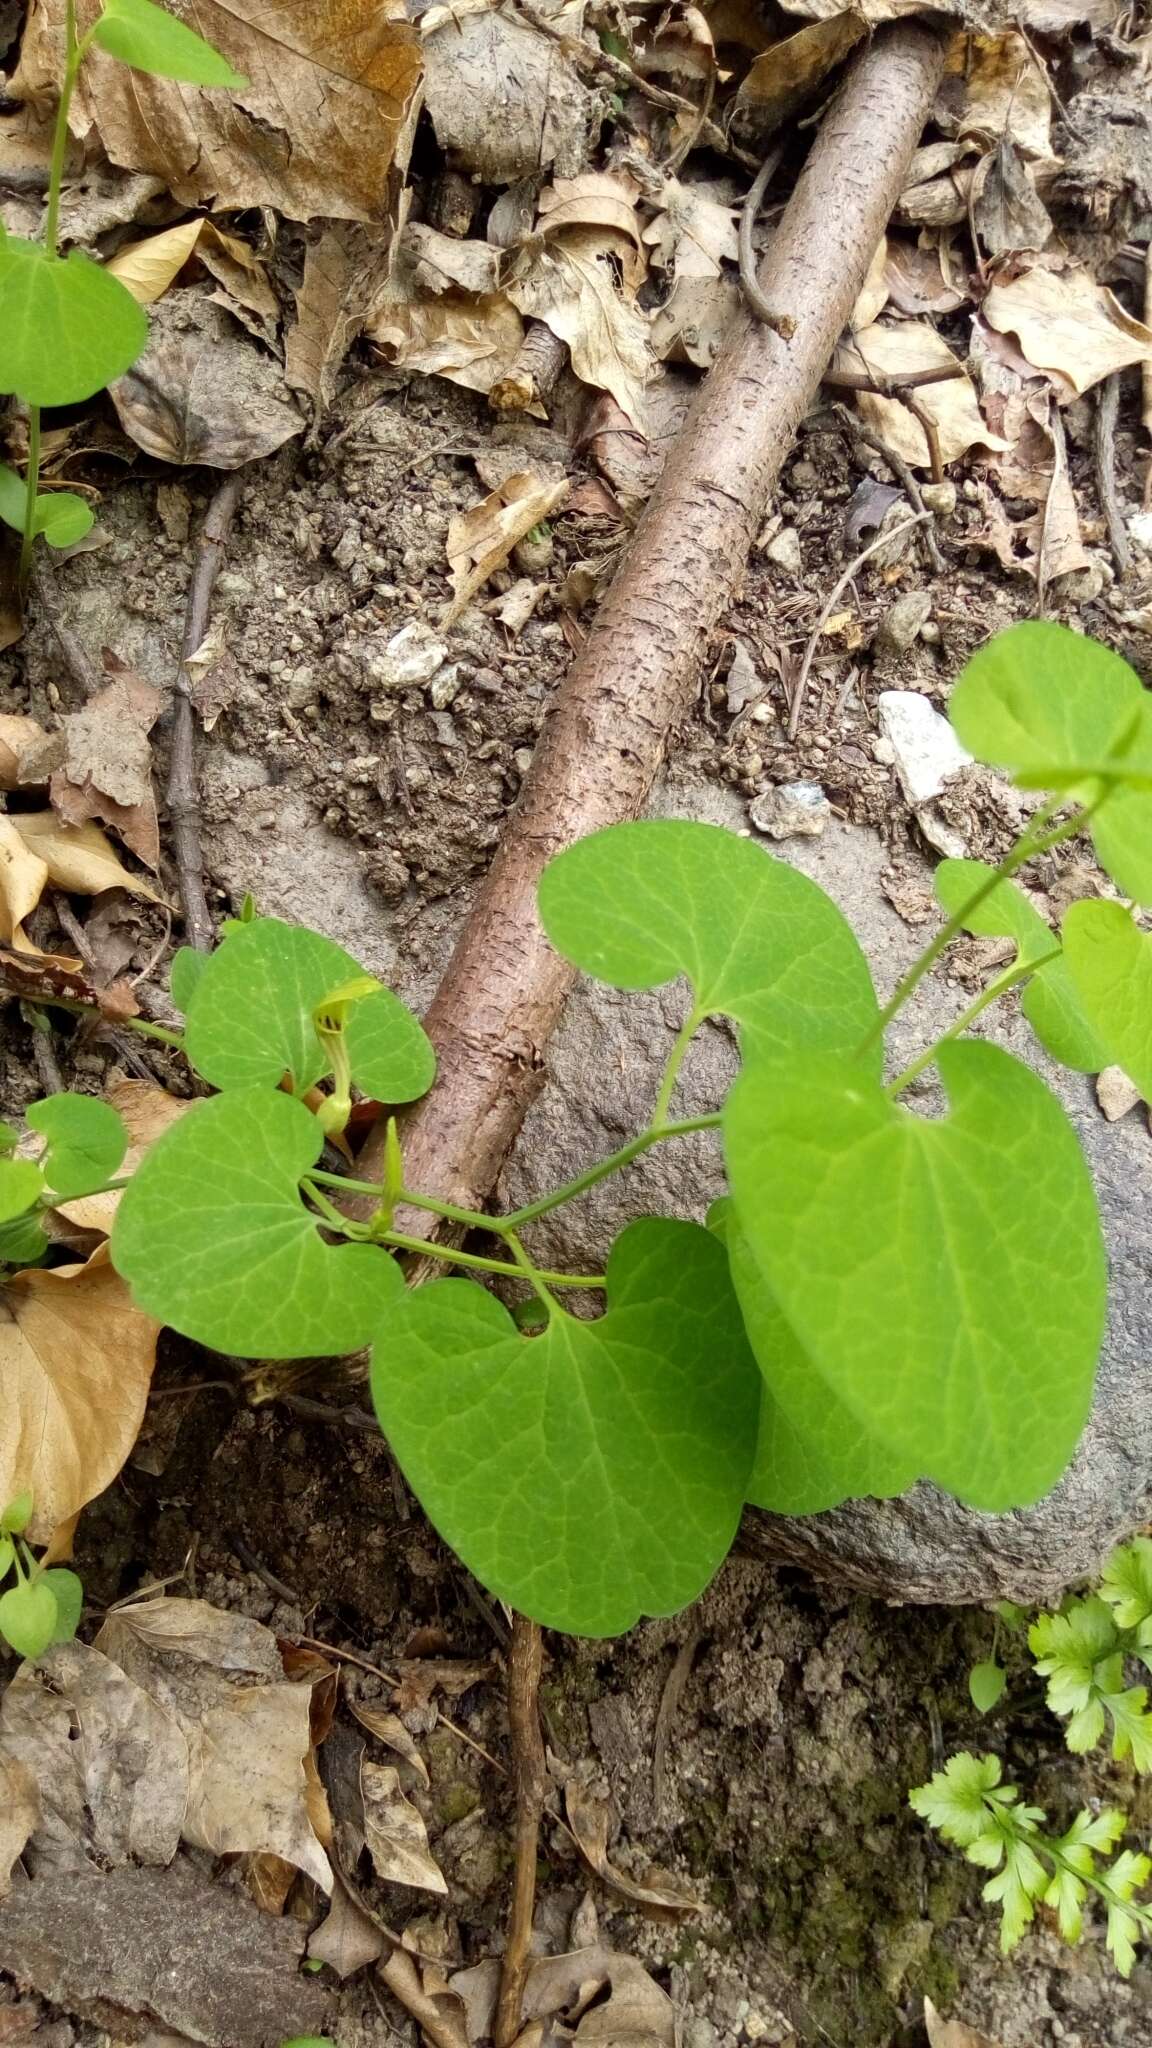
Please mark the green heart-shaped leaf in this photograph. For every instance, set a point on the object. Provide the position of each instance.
(23, 1241)
(184, 975)
(1050, 1001)
(813, 1451)
(250, 1016)
(86, 1142)
(594, 1473)
(1061, 711)
(68, 1592)
(947, 1277)
(28, 1617)
(21, 1183)
(637, 905)
(63, 518)
(149, 39)
(67, 327)
(17, 1514)
(213, 1237)
(1110, 962)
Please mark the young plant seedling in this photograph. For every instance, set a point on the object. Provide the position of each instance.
(880, 1297)
(42, 1604)
(67, 327)
(1082, 1652)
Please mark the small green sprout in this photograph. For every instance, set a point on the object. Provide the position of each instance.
(43, 1604)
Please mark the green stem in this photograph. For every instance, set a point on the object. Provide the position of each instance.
(684, 1037)
(31, 489)
(992, 994)
(74, 55)
(140, 1025)
(1030, 843)
(654, 1135)
(396, 1241)
(535, 1279)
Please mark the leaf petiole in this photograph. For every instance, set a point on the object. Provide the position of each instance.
(684, 1037)
(992, 994)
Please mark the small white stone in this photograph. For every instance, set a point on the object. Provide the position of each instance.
(925, 748)
(784, 550)
(412, 656)
(1140, 527)
(791, 810)
(445, 687)
(1115, 1093)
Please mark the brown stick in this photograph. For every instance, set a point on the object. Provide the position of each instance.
(634, 677)
(183, 782)
(530, 1783)
(1104, 449)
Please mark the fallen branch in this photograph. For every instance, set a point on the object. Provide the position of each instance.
(635, 676)
(529, 1783)
(183, 781)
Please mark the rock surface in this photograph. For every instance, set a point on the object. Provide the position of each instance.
(605, 1068)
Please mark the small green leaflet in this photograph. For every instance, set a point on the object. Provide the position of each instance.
(636, 905)
(986, 1684)
(68, 1592)
(17, 1514)
(1126, 1585)
(149, 39)
(250, 1016)
(213, 1238)
(28, 1617)
(1081, 1654)
(1060, 711)
(21, 1183)
(812, 1451)
(23, 1241)
(1110, 963)
(594, 1473)
(67, 327)
(1050, 1001)
(86, 1142)
(61, 516)
(947, 1277)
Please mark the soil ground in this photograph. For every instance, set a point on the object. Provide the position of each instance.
(805, 1716)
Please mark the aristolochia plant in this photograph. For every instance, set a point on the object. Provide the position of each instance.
(881, 1296)
(68, 327)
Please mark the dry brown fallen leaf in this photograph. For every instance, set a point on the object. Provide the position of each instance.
(347, 1939)
(1008, 213)
(581, 283)
(480, 60)
(567, 1989)
(588, 1817)
(106, 771)
(219, 1678)
(895, 350)
(389, 1728)
(1068, 325)
(23, 879)
(691, 240)
(76, 1358)
(780, 81)
(80, 858)
(203, 391)
(246, 287)
(994, 85)
(314, 131)
(19, 1813)
(20, 737)
(471, 340)
(394, 1831)
(346, 269)
(953, 2033)
(481, 539)
(147, 268)
(873, 294)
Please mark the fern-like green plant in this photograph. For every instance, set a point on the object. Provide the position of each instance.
(1085, 1653)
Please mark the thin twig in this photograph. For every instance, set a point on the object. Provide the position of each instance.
(1104, 449)
(183, 783)
(530, 1783)
(929, 430)
(780, 323)
(666, 1714)
(902, 473)
(322, 1411)
(891, 387)
(826, 609)
(253, 1563)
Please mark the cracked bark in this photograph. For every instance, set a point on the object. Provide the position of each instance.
(605, 736)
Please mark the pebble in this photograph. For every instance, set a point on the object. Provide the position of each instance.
(901, 625)
(924, 747)
(445, 687)
(412, 655)
(743, 683)
(791, 810)
(784, 550)
(939, 498)
(1115, 1093)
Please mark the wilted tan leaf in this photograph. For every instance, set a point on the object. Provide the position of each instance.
(19, 736)
(1007, 210)
(874, 11)
(692, 239)
(562, 1987)
(873, 294)
(596, 199)
(313, 131)
(247, 1743)
(786, 76)
(203, 391)
(579, 286)
(481, 539)
(895, 351)
(348, 1938)
(476, 63)
(395, 1833)
(106, 772)
(147, 268)
(78, 857)
(76, 1359)
(952, 2033)
(111, 1767)
(1060, 550)
(147, 1111)
(1068, 324)
(389, 1728)
(588, 1816)
(345, 271)
(247, 291)
(23, 879)
(426, 321)
(444, 263)
(19, 1813)
(921, 280)
(994, 85)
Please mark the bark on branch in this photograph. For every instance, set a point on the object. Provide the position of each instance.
(605, 736)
